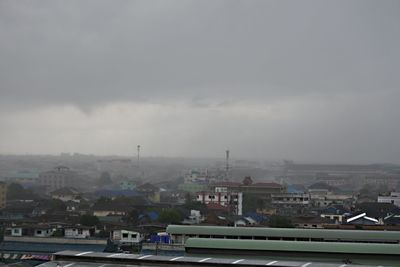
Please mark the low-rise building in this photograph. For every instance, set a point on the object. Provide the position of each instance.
(390, 182)
(233, 201)
(43, 231)
(66, 194)
(394, 198)
(77, 232)
(17, 231)
(311, 222)
(126, 236)
(288, 200)
(263, 190)
(195, 217)
(336, 213)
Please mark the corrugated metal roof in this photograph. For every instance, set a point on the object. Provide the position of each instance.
(87, 259)
(299, 246)
(29, 247)
(286, 232)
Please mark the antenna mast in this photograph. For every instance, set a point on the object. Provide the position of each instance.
(138, 156)
(227, 164)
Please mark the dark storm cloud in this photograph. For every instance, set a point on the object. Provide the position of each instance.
(89, 53)
(308, 80)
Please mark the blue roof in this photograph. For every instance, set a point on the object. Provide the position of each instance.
(293, 189)
(256, 216)
(152, 215)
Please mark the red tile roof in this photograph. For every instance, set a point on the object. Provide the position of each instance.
(216, 206)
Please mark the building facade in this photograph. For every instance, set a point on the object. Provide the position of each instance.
(58, 178)
(291, 199)
(394, 198)
(233, 201)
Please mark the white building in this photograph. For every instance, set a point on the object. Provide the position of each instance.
(66, 194)
(43, 231)
(195, 176)
(77, 232)
(126, 236)
(16, 231)
(394, 198)
(233, 200)
(195, 217)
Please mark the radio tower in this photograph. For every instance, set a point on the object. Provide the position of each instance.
(141, 173)
(227, 164)
(138, 156)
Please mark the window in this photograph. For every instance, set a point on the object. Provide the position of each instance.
(302, 239)
(125, 235)
(133, 236)
(288, 238)
(204, 236)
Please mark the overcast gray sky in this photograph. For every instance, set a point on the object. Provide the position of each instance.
(302, 80)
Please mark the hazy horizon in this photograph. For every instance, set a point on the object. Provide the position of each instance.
(220, 159)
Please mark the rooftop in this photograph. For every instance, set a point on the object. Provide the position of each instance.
(93, 259)
(287, 232)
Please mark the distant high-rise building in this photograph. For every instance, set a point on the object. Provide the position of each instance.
(58, 178)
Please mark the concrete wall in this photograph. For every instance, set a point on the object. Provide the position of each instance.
(55, 240)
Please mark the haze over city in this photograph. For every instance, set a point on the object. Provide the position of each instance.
(302, 80)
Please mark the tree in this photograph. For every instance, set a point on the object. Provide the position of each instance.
(132, 217)
(103, 201)
(170, 216)
(56, 205)
(192, 204)
(277, 221)
(251, 203)
(89, 220)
